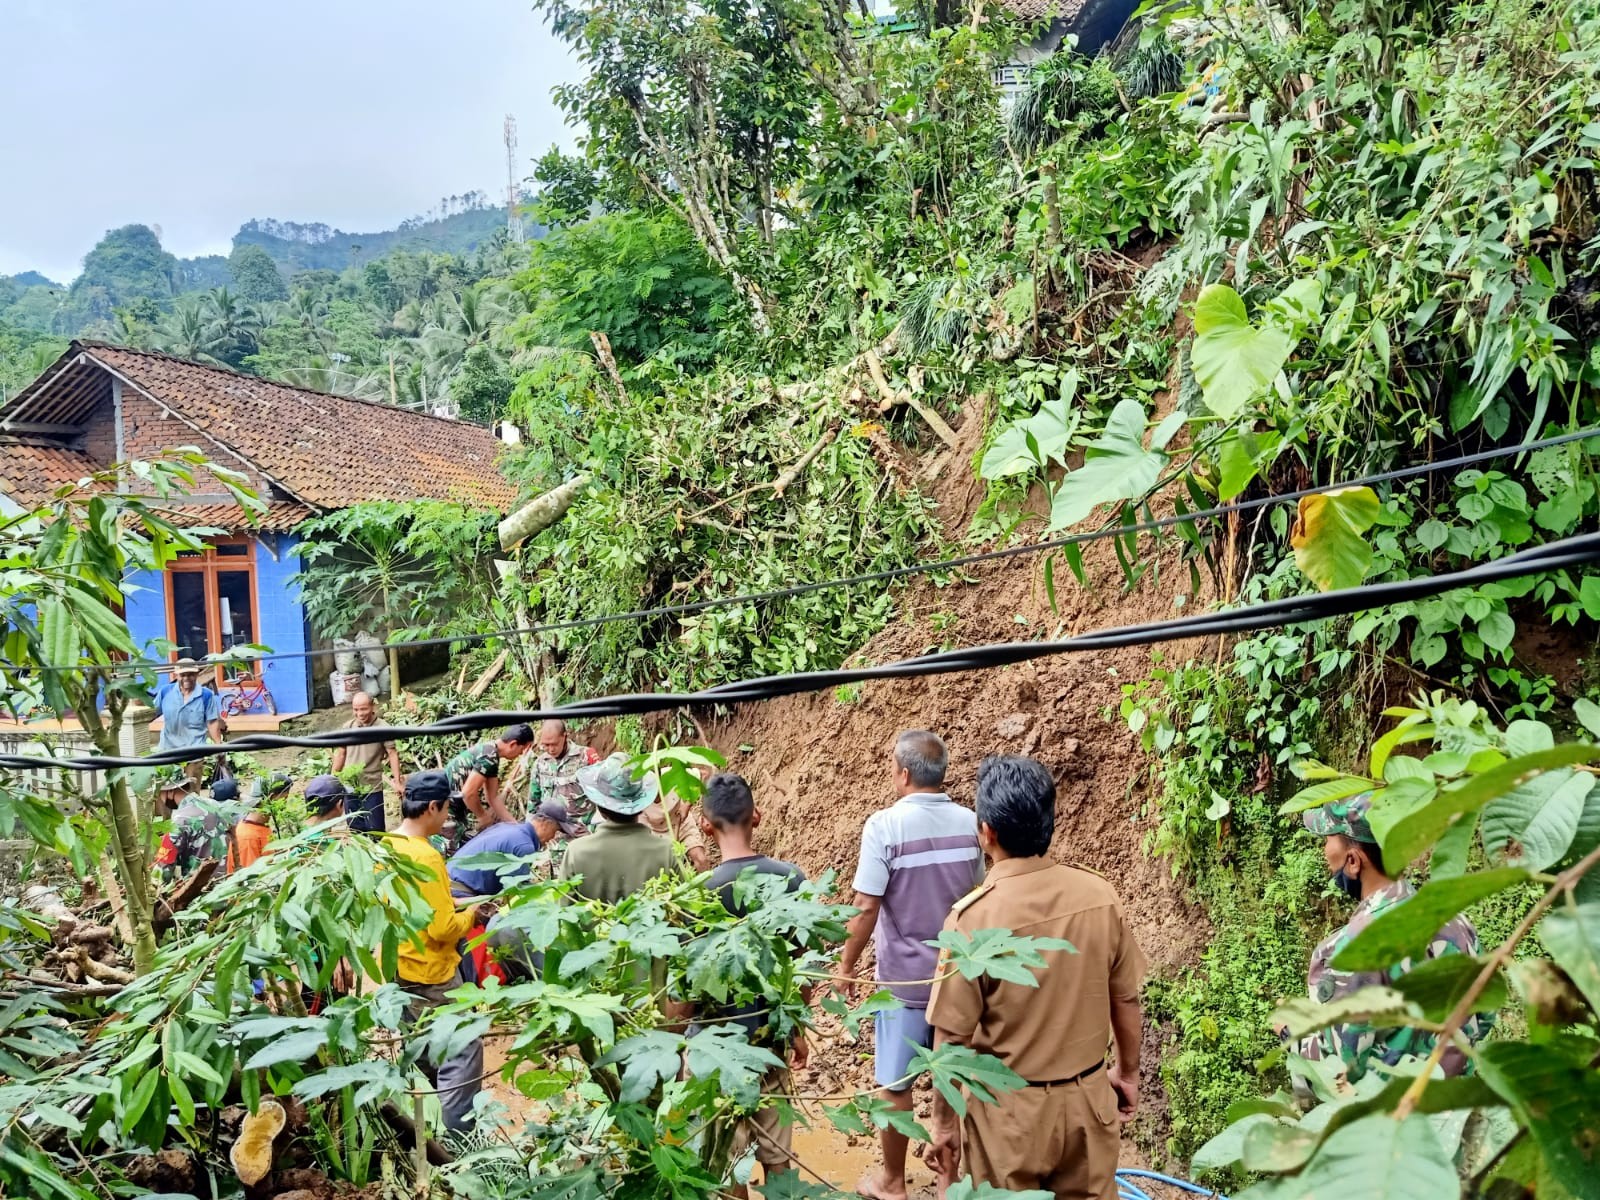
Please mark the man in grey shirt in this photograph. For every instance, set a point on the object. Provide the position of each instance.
(918, 857)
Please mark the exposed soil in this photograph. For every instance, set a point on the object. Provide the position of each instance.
(820, 763)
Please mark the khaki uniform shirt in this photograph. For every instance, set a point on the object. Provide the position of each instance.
(674, 820)
(616, 860)
(1061, 1028)
(371, 757)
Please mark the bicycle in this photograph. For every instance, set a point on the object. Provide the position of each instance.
(249, 688)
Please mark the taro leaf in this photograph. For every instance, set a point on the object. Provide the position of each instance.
(724, 1050)
(648, 1060)
(1437, 986)
(1375, 1158)
(997, 953)
(1406, 831)
(1405, 930)
(1571, 934)
(1033, 442)
(1116, 466)
(1555, 1100)
(1382, 1007)
(1233, 360)
(1535, 822)
(1327, 541)
(966, 1189)
(1325, 792)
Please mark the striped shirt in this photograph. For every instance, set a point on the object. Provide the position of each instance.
(920, 855)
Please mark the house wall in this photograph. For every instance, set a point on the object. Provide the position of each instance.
(282, 616)
(148, 431)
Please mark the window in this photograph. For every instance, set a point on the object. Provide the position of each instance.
(211, 600)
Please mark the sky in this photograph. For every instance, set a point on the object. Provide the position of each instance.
(196, 116)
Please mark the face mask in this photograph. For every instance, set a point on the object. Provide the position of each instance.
(1350, 887)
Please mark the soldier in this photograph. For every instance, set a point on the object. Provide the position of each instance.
(555, 772)
(1354, 857)
(1059, 1133)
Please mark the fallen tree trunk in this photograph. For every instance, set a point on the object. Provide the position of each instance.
(540, 514)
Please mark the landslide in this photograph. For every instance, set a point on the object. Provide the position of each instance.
(819, 763)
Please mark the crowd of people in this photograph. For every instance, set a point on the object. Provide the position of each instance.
(927, 865)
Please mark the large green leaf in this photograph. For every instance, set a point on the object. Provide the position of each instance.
(1233, 360)
(739, 1066)
(1437, 986)
(1031, 443)
(998, 953)
(1571, 934)
(1375, 1158)
(1535, 822)
(1327, 541)
(1405, 930)
(1325, 792)
(58, 634)
(1379, 1006)
(647, 1061)
(1227, 1147)
(1406, 830)
(1556, 1100)
(1116, 467)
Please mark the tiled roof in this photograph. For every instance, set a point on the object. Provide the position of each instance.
(1037, 10)
(29, 473)
(281, 516)
(328, 451)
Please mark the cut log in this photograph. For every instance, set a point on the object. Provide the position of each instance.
(490, 674)
(541, 513)
(891, 398)
(170, 905)
(119, 903)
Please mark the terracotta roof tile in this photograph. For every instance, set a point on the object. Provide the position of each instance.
(280, 516)
(30, 474)
(328, 451)
(1037, 10)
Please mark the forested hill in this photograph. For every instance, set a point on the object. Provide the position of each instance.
(297, 247)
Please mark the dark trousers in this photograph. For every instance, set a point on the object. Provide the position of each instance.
(366, 812)
(458, 1078)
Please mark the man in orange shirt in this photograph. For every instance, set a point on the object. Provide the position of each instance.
(247, 841)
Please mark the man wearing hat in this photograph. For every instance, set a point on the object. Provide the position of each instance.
(621, 855)
(1356, 861)
(191, 715)
(199, 829)
(430, 963)
(540, 831)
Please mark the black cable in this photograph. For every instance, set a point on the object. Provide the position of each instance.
(892, 573)
(1581, 550)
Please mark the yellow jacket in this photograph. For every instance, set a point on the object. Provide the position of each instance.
(433, 956)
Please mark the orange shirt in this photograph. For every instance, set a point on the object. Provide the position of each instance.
(249, 842)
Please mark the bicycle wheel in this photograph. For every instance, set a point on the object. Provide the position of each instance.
(272, 705)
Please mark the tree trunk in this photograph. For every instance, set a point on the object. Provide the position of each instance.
(541, 513)
(128, 841)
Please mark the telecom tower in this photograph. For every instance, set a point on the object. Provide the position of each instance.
(513, 217)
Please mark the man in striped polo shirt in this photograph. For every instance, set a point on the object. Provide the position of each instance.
(918, 857)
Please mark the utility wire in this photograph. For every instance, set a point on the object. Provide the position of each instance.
(1580, 550)
(892, 573)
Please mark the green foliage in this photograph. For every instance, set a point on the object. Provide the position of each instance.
(255, 276)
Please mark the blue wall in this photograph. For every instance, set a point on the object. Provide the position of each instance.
(283, 618)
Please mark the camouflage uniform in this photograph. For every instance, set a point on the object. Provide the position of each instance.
(557, 779)
(1358, 1045)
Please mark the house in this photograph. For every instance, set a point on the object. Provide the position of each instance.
(302, 452)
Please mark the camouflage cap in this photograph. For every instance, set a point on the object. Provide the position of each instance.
(1347, 817)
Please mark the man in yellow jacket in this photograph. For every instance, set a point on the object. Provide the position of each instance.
(430, 963)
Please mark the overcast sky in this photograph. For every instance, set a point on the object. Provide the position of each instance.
(196, 116)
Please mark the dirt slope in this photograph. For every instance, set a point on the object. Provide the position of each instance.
(820, 763)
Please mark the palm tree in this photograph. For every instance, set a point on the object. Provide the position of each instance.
(470, 318)
(187, 333)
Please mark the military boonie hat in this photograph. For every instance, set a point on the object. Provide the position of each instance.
(1347, 817)
(610, 785)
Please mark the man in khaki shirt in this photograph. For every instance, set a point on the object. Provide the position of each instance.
(1060, 1133)
(366, 804)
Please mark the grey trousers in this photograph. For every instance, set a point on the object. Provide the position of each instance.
(458, 1078)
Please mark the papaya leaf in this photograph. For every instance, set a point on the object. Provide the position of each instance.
(1233, 360)
(1327, 541)
(965, 1189)
(997, 953)
(1380, 1006)
(1405, 930)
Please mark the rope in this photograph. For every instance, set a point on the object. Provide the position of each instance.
(893, 573)
(1581, 550)
(1127, 1189)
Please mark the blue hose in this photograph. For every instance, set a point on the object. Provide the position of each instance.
(1127, 1189)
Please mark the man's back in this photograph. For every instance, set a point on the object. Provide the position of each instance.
(506, 837)
(615, 860)
(1062, 1027)
(920, 855)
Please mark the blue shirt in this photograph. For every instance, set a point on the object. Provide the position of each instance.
(507, 837)
(184, 722)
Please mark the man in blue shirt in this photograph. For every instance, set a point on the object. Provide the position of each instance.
(191, 715)
(548, 822)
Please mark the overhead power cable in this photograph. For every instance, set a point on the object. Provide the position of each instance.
(1576, 551)
(892, 573)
